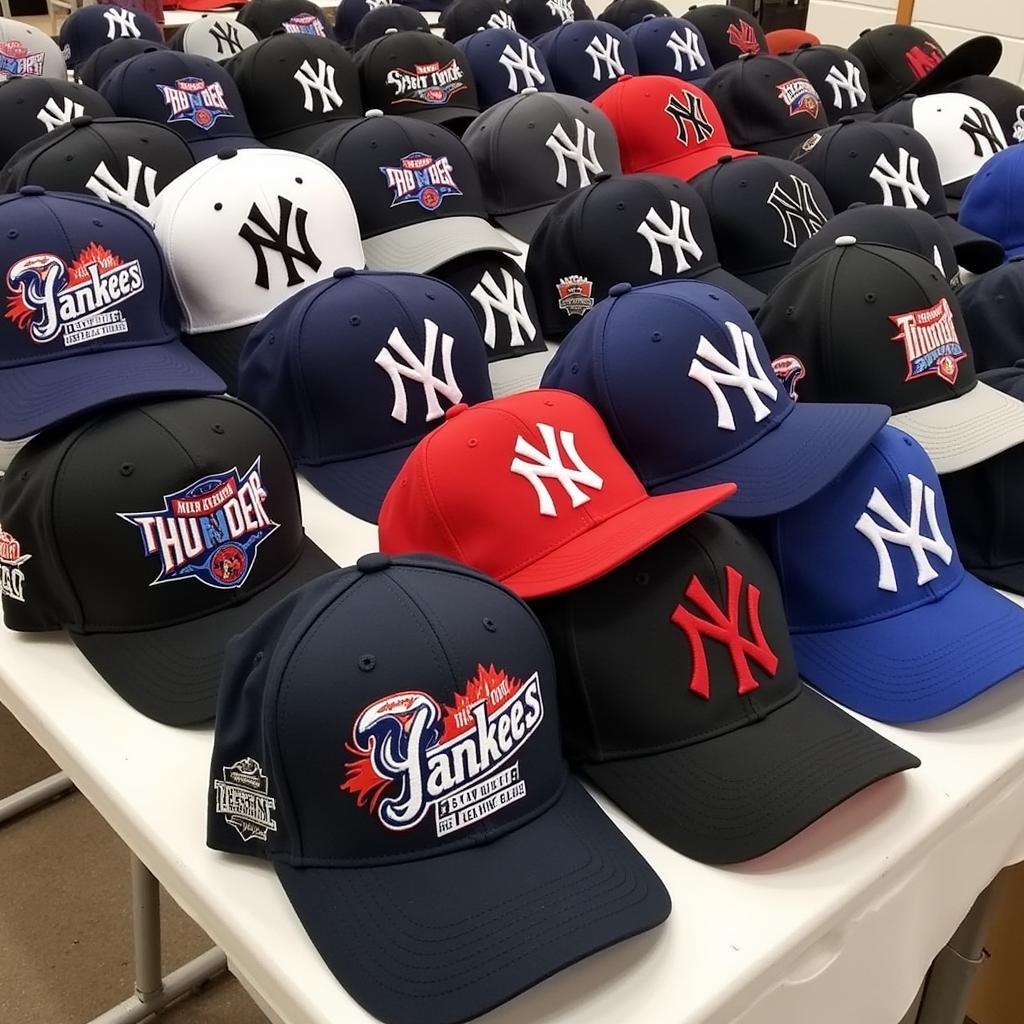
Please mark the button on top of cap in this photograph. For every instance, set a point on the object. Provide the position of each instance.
(375, 561)
(845, 240)
(82, 121)
(528, 91)
(725, 158)
(603, 176)
(846, 120)
(342, 272)
(620, 289)
(227, 154)
(456, 410)
(31, 190)
(625, 78)
(375, 112)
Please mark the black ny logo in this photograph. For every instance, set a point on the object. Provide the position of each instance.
(689, 116)
(982, 132)
(226, 35)
(275, 239)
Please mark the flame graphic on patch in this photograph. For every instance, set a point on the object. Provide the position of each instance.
(91, 254)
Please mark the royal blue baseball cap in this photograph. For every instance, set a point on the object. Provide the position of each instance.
(86, 29)
(680, 375)
(354, 371)
(991, 204)
(884, 617)
(191, 94)
(436, 895)
(91, 317)
(671, 46)
(585, 57)
(504, 64)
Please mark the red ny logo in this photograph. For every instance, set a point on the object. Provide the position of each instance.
(921, 59)
(741, 35)
(725, 628)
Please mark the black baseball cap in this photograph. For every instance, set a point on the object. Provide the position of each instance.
(1005, 100)
(838, 77)
(637, 228)
(729, 32)
(535, 148)
(890, 164)
(156, 533)
(993, 308)
(681, 701)
(535, 17)
(295, 87)
(418, 74)
(295, 17)
(31, 107)
(92, 72)
(871, 323)
(215, 36)
(462, 18)
(768, 105)
(386, 19)
(117, 159)
(499, 872)
(904, 58)
(349, 13)
(761, 209)
(625, 14)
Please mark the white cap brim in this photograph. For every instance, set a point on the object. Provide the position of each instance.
(519, 373)
(420, 248)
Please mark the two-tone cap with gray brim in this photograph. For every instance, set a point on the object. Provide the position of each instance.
(214, 36)
(417, 190)
(536, 148)
(26, 52)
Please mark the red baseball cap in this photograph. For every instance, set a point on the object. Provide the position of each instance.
(783, 40)
(531, 490)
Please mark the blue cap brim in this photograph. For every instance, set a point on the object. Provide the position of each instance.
(808, 449)
(358, 485)
(922, 663)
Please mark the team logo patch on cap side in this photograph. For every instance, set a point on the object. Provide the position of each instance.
(1018, 124)
(17, 62)
(931, 342)
(431, 84)
(800, 97)
(209, 529)
(303, 25)
(414, 755)
(921, 59)
(50, 299)
(12, 578)
(421, 178)
(790, 371)
(243, 798)
(575, 295)
(741, 35)
(193, 100)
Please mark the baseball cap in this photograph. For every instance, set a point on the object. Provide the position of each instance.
(386, 19)
(213, 36)
(761, 209)
(535, 17)
(350, 12)
(553, 504)
(535, 148)
(26, 52)
(356, 369)
(295, 17)
(242, 232)
(877, 162)
(989, 205)
(586, 57)
(786, 40)
(92, 71)
(875, 323)
(462, 18)
(88, 28)
(993, 308)
(1005, 100)
(506, 828)
(839, 79)
(31, 107)
(665, 125)
(637, 228)
(679, 373)
(909, 634)
(193, 96)
(905, 58)
(497, 291)
(294, 87)
(729, 32)
(706, 738)
(417, 189)
(671, 46)
(418, 74)
(112, 332)
(625, 14)
(504, 64)
(156, 532)
(767, 104)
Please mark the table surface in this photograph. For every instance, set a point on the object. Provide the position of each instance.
(838, 925)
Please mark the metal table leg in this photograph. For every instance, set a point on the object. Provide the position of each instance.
(33, 796)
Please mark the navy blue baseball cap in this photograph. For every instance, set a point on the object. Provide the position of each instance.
(993, 308)
(108, 56)
(884, 618)
(585, 57)
(354, 371)
(91, 317)
(462, 18)
(87, 29)
(348, 15)
(504, 64)
(990, 205)
(193, 95)
(680, 375)
(671, 46)
(496, 872)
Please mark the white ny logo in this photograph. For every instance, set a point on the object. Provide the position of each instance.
(54, 113)
(561, 9)
(509, 300)
(848, 83)
(797, 209)
(562, 146)
(906, 178)
(733, 375)
(677, 236)
(103, 184)
(549, 464)
(907, 535)
(605, 51)
(522, 62)
(501, 19)
(320, 81)
(121, 23)
(687, 46)
(421, 371)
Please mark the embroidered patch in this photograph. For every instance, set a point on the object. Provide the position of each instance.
(17, 62)
(921, 59)
(741, 36)
(12, 578)
(790, 372)
(304, 25)
(422, 179)
(193, 100)
(800, 97)
(931, 342)
(242, 797)
(430, 85)
(575, 295)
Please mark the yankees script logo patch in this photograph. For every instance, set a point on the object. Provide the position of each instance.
(428, 85)
(414, 756)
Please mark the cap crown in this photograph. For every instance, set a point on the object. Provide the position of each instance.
(293, 17)
(87, 29)
(1005, 99)
(586, 57)
(28, 52)
(383, 19)
(215, 37)
(462, 18)
(504, 63)
(895, 57)
(985, 207)
(108, 56)
(839, 78)
(671, 46)
(534, 17)
(730, 32)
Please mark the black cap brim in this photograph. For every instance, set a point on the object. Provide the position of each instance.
(172, 675)
(973, 251)
(221, 351)
(455, 119)
(784, 149)
(524, 224)
(203, 148)
(747, 294)
(358, 485)
(299, 139)
(977, 56)
(444, 939)
(746, 792)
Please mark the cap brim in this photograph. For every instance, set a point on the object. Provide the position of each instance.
(358, 485)
(783, 148)
(920, 664)
(743, 793)
(519, 373)
(765, 280)
(747, 294)
(690, 165)
(299, 139)
(964, 431)
(456, 119)
(973, 251)
(221, 351)
(525, 224)
(172, 675)
(444, 939)
(203, 148)
(8, 449)
(977, 56)
(608, 544)
(39, 395)
(790, 464)
(419, 248)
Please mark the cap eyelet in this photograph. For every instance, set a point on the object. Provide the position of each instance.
(13, 233)
(257, 658)
(355, 321)
(218, 206)
(127, 468)
(490, 626)
(69, 159)
(620, 206)
(656, 337)
(642, 579)
(298, 181)
(549, 403)
(870, 297)
(366, 662)
(217, 428)
(472, 442)
(97, 223)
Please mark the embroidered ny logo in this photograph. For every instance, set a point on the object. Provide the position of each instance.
(689, 117)
(676, 237)
(685, 46)
(54, 113)
(103, 184)
(983, 132)
(421, 371)
(522, 62)
(906, 178)
(508, 300)
(227, 38)
(121, 23)
(319, 81)
(581, 153)
(798, 210)
(549, 464)
(846, 83)
(275, 239)
(605, 52)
